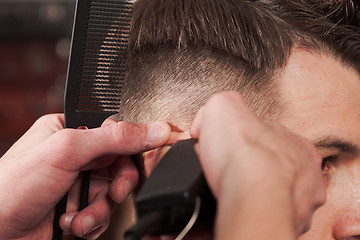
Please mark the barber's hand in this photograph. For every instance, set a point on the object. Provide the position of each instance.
(45, 163)
(267, 180)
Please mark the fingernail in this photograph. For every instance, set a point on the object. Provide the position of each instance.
(157, 131)
(67, 221)
(88, 224)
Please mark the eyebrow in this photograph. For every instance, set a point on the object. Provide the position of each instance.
(337, 143)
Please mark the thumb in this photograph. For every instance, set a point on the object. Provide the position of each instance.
(73, 149)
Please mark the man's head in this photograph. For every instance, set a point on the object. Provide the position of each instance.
(181, 52)
(182, 47)
(288, 62)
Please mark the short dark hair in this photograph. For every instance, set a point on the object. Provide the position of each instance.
(343, 12)
(315, 20)
(182, 51)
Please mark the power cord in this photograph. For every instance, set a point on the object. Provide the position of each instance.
(148, 223)
(154, 221)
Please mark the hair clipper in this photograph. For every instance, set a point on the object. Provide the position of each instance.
(175, 196)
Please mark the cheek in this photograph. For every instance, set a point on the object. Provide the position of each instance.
(344, 191)
(346, 202)
(339, 217)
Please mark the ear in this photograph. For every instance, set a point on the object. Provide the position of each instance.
(152, 157)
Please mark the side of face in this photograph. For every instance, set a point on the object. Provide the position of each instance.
(322, 104)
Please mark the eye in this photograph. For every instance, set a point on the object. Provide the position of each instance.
(325, 165)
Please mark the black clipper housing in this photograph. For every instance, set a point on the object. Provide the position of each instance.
(167, 200)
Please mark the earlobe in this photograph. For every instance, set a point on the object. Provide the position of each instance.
(152, 157)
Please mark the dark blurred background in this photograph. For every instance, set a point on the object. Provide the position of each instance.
(34, 48)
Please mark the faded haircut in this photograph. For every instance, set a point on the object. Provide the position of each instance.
(183, 51)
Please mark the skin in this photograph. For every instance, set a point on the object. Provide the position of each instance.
(44, 164)
(323, 105)
(276, 165)
(281, 171)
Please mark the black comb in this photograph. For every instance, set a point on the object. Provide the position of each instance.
(96, 72)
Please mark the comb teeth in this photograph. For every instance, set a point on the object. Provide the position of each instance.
(105, 49)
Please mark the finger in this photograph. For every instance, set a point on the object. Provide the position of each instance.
(221, 111)
(99, 163)
(98, 183)
(95, 234)
(175, 136)
(122, 138)
(74, 196)
(108, 121)
(66, 220)
(93, 217)
(196, 124)
(315, 194)
(125, 179)
(98, 189)
(310, 191)
(224, 110)
(225, 116)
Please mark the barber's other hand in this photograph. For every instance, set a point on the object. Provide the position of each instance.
(45, 163)
(267, 180)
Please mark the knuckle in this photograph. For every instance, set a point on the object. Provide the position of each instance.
(119, 132)
(125, 133)
(48, 118)
(50, 121)
(66, 138)
(315, 155)
(312, 151)
(227, 99)
(44, 120)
